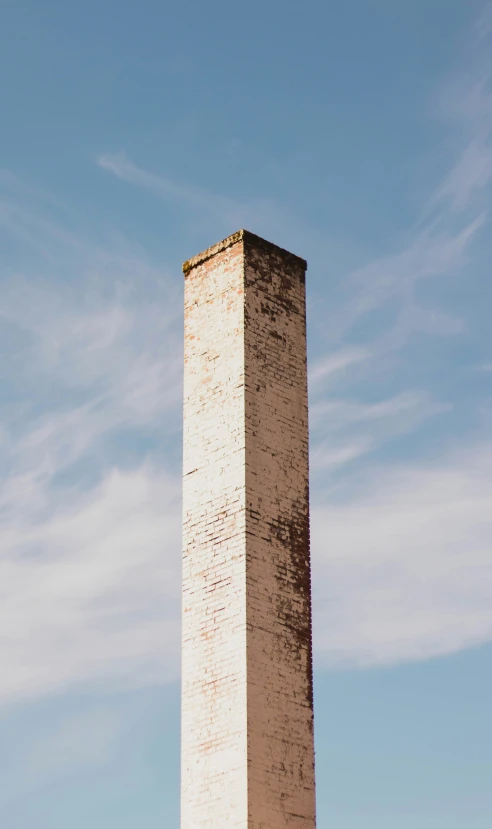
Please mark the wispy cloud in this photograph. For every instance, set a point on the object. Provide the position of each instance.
(403, 571)
(123, 168)
(388, 308)
(90, 540)
(427, 255)
(471, 173)
(402, 553)
(322, 370)
(87, 739)
(451, 221)
(90, 593)
(343, 430)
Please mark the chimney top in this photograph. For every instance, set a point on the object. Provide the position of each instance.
(247, 238)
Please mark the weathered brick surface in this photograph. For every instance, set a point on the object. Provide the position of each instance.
(247, 714)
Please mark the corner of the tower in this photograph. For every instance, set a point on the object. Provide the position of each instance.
(251, 242)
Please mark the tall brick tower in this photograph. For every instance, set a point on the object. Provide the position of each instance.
(247, 701)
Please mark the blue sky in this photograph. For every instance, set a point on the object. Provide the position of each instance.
(357, 135)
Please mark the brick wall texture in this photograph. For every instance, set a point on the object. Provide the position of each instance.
(247, 703)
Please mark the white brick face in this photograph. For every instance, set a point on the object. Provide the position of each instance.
(247, 715)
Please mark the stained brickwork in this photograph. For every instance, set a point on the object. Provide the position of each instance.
(247, 711)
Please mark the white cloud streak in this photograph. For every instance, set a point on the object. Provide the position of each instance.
(89, 563)
(343, 430)
(123, 168)
(322, 370)
(391, 289)
(404, 571)
(90, 593)
(85, 740)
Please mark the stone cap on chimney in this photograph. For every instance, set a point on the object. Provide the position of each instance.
(249, 239)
